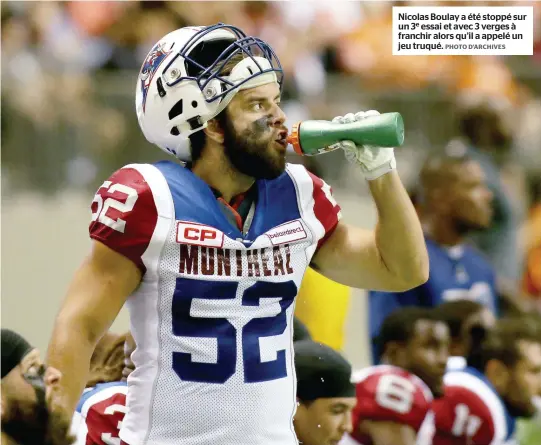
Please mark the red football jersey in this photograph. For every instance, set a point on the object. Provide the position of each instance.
(388, 393)
(100, 413)
(470, 413)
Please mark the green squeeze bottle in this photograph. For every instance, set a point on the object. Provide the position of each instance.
(314, 137)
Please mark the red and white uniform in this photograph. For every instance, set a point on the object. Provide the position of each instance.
(388, 393)
(212, 318)
(99, 415)
(470, 412)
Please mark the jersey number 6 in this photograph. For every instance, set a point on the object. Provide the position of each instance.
(395, 393)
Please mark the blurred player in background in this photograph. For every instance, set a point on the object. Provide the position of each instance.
(528, 430)
(27, 387)
(209, 257)
(325, 394)
(465, 318)
(488, 139)
(487, 136)
(100, 413)
(453, 201)
(393, 399)
(483, 401)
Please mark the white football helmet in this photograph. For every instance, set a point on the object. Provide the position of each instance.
(180, 86)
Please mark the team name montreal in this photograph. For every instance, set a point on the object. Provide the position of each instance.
(197, 260)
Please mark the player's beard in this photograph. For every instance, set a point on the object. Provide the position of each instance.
(250, 151)
(26, 426)
(32, 426)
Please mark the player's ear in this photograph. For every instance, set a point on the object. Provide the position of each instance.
(498, 374)
(214, 131)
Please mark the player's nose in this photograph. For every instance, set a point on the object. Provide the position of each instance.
(441, 360)
(52, 376)
(278, 116)
(347, 424)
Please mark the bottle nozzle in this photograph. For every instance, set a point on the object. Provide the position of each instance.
(293, 139)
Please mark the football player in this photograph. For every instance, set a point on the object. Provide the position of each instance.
(482, 402)
(100, 413)
(454, 201)
(325, 394)
(27, 388)
(393, 399)
(209, 256)
(467, 320)
(102, 407)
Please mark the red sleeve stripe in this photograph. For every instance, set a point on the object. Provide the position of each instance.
(125, 215)
(326, 210)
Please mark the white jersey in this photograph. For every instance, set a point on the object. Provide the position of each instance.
(212, 318)
(456, 363)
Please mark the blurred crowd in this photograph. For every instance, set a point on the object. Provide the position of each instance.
(69, 69)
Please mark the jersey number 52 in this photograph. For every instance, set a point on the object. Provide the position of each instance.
(103, 206)
(185, 325)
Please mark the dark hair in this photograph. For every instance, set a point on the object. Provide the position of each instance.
(502, 342)
(321, 371)
(199, 138)
(455, 313)
(399, 326)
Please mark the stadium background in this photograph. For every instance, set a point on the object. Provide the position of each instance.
(68, 120)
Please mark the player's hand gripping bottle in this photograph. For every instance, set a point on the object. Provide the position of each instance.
(367, 138)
